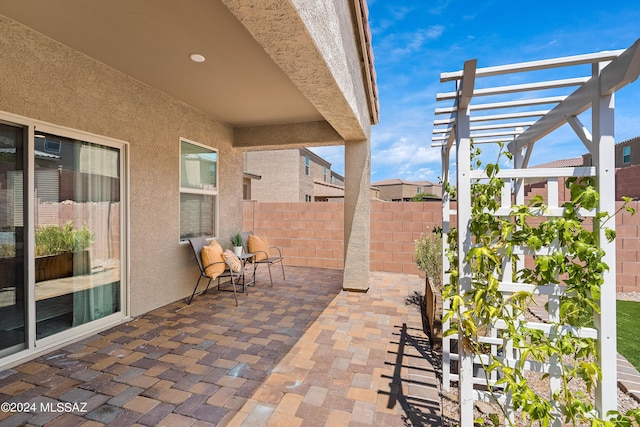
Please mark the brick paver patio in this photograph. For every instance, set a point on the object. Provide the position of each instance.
(303, 353)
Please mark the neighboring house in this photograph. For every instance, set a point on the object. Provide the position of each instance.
(399, 190)
(295, 175)
(627, 153)
(128, 120)
(627, 169)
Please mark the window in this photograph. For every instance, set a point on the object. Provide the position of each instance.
(419, 191)
(325, 174)
(51, 146)
(626, 154)
(198, 190)
(307, 198)
(306, 165)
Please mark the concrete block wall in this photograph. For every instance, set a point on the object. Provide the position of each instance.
(312, 234)
(628, 250)
(628, 182)
(395, 226)
(309, 234)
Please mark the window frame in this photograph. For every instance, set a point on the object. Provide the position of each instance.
(307, 166)
(626, 157)
(198, 191)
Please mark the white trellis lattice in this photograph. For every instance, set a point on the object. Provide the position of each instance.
(512, 116)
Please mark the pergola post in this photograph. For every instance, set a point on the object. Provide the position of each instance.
(603, 155)
(463, 158)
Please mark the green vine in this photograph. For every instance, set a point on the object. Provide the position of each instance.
(567, 253)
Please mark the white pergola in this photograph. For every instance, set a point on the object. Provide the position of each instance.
(524, 114)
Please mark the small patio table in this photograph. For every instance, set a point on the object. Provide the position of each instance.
(244, 258)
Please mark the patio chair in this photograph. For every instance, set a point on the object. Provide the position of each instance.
(226, 270)
(263, 253)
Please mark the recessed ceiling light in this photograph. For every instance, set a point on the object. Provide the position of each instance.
(196, 57)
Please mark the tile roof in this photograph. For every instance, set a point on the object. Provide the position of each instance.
(562, 163)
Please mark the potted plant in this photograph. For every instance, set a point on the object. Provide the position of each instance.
(428, 255)
(236, 241)
(61, 251)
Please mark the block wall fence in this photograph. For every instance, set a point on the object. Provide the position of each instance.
(312, 235)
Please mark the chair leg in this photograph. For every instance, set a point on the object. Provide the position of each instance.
(282, 266)
(270, 278)
(196, 288)
(233, 283)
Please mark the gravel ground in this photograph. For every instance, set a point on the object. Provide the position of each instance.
(450, 417)
(628, 296)
(450, 405)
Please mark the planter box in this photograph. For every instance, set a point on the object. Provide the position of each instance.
(48, 267)
(433, 310)
(62, 265)
(8, 272)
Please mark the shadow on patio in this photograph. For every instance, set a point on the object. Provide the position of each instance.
(300, 353)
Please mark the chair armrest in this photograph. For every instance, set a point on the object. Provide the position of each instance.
(278, 249)
(204, 269)
(232, 271)
(253, 259)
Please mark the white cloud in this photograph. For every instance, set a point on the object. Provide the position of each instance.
(408, 43)
(406, 153)
(422, 174)
(406, 158)
(332, 154)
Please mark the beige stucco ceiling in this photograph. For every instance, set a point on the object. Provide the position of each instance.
(151, 40)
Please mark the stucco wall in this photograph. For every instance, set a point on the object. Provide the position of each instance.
(279, 171)
(305, 182)
(44, 80)
(331, 25)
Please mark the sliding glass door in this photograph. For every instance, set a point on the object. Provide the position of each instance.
(77, 232)
(13, 304)
(62, 231)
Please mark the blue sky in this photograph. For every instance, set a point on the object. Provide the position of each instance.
(416, 40)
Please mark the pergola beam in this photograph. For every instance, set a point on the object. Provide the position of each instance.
(536, 65)
(501, 90)
(494, 117)
(620, 72)
(581, 131)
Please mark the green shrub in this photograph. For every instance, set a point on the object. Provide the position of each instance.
(428, 254)
(53, 239)
(7, 250)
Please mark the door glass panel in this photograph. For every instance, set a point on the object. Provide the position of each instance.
(77, 218)
(12, 260)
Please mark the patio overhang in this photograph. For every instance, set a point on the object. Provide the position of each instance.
(251, 75)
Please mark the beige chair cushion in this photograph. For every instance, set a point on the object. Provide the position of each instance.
(210, 254)
(232, 260)
(258, 245)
